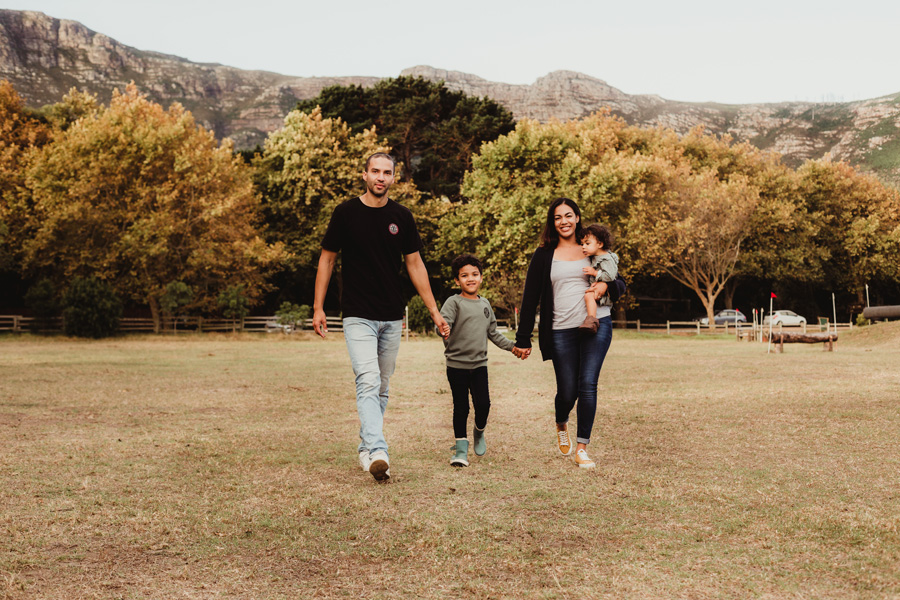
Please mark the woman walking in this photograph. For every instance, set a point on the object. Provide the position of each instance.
(556, 282)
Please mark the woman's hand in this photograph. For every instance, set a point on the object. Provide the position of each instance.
(522, 353)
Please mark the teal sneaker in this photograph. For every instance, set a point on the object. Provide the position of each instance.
(461, 458)
(480, 444)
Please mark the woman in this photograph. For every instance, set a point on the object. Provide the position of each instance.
(556, 281)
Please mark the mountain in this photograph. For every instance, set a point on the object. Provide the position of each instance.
(44, 57)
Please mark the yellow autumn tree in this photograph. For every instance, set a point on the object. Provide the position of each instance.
(140, 197)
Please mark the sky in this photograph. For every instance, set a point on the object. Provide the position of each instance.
(734, 52)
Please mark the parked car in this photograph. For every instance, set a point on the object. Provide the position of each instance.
(729, 315)
(784, 317)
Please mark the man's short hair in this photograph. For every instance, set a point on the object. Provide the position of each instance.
(599, 233)
(380, 155)
(461, 261)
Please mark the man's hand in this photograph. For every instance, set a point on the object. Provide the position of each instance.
(320, 324)
(440, 323)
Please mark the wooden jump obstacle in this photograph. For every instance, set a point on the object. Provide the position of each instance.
(782, 338)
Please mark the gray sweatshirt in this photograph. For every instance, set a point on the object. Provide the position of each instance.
(472, 323)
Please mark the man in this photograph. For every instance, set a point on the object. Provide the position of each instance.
(372, 232)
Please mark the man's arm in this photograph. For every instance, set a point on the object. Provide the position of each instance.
(418, 274)
(323, 277)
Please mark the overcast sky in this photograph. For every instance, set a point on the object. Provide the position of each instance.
(693, 50)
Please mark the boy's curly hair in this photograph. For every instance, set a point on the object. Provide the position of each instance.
(599, 233)
(462, 260)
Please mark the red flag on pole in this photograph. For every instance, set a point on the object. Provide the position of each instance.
(773, 295)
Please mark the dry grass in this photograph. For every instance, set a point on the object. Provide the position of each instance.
(225, 467)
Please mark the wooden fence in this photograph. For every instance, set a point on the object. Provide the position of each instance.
(20, 324)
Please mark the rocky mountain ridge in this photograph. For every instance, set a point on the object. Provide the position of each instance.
(44, 57)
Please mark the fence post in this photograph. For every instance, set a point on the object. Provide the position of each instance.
(639, 325)
(698, 327)
(667, 328)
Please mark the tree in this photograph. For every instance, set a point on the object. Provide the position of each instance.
(92, 308)
(859, 225)
(178, 294)
(20, 132)
(432, 130)
(234, 304)
(306, 169)
(693, 231)
(140, 196)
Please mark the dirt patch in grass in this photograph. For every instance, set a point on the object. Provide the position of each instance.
(225, 467)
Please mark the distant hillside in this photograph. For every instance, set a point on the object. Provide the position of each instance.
(43, 57)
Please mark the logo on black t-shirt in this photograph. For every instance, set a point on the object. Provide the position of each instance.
(393, 229)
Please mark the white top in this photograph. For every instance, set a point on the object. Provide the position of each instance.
(569, 285)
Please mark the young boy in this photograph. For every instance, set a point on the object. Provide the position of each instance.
(595, 243)
(472, 323)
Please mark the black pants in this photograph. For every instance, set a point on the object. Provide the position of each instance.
(463, 381)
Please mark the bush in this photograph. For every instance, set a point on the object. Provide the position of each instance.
(92, 309)
(861, 321)
(293, 315)
(419, 317)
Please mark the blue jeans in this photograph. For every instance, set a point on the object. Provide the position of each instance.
(373, 348)
(577, 359)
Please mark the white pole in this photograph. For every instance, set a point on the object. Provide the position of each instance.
(407, 323)
(867, 295)
(769, 349)
(834, 309)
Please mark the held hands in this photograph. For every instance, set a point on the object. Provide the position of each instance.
(521, 353)
(320, 325)
(441, 324)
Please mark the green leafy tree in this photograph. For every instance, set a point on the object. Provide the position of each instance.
(141, 196)
(433, 131)
(234, 303)
(419, 317)
(92, 308)
(178, 294)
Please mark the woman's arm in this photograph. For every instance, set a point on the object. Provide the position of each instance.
(531, 297)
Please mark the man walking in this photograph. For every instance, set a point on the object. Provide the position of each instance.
(372, 232)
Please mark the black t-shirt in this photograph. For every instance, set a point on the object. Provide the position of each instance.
(372, 242)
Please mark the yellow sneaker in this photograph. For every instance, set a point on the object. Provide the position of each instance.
(562, 439)
(583, 460)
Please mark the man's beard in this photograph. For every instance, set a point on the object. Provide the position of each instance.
(375, 193)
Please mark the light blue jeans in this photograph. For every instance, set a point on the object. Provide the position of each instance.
(373, 348)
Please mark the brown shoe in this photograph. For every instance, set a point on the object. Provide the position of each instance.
(590, 325)
(562, 439)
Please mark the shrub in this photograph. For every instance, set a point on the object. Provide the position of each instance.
(419, 317)
(293, 315)
(92, 309)
(861, 321)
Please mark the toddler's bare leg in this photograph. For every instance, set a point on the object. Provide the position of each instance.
(590, 303)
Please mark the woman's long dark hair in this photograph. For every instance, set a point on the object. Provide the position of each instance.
(550, 237)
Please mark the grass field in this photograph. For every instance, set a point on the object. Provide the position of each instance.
(215, 466)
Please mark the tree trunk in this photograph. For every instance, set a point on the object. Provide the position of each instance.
(729, 290)
(154, 313)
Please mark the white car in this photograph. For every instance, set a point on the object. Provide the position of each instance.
(784, 317)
